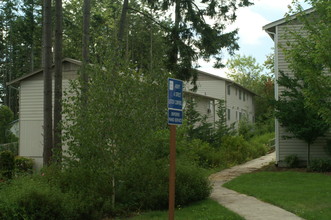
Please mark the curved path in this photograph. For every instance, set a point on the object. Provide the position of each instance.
(246, 206)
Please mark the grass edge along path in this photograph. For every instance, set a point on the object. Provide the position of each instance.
(207, 209)
(307, 195)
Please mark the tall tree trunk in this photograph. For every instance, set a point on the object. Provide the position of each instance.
(173, 57)
(58, 77)
(85, 47)
(47, 65)
(122, 21)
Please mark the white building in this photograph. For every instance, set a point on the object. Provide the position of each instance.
(31, 96)
(278, 31)
(239, 101)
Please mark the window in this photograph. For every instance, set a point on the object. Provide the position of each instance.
(210, 107)
(236, 115)
(229, 90)
(244, 96)
(229, 114)
(240, 115)
(240, 94)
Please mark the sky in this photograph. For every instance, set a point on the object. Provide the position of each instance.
(253, 40)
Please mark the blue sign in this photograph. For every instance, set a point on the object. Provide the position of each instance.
(175, 117)
(175, 94)
(175, 101)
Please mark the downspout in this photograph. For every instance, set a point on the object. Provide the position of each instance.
(276, 90)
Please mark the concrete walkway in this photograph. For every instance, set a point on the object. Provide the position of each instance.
(247, 206)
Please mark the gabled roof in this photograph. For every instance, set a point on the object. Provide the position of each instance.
(226, 80)
(270, 28)
(69, 60)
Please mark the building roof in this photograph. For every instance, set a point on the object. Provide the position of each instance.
(225, 79)
(79, 63)
(69, 60)
(270, 28)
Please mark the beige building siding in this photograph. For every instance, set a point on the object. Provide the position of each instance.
(292, 146)
(31, 112)
(217, 88)
(213, 88)
(239, 103)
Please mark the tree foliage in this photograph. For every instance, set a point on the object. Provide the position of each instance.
(191, 37)
(299, 120)
(6, 116)
(20, 44)
(253, 76)
(310, 55)
(125, 108)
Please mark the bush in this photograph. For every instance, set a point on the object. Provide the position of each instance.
(6, 164)
(23, 165)
(32, 197)
(327, 147)
(236, 150)
(199, 152)
(245, 128)
(191, 184)
(28, 198)
(292, 161)
(144, 184)
(13, 147)
(320, 165)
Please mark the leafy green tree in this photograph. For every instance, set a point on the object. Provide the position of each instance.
(6, 116)
(20, 43)
(299, 120)
(124, 108)
(310, 55)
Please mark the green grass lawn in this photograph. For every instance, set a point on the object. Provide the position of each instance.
(205, 210)
(305, 194)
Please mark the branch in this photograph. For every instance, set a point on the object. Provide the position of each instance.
(150, 17)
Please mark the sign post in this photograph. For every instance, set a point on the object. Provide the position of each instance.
(175, 117)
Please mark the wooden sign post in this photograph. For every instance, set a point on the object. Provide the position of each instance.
(175, 117)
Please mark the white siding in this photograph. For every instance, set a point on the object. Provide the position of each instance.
(31, 113)
(216, 87)
(239, 105)
(286, 147)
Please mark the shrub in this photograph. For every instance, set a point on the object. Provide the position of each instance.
(28, 198)
(32, 197)
(23, 165)
(191, 184)
(13, 147)
(320, 165)
(292, 161)
(144, 184)
(327, 147)
(245, 128)
(6, 164)
(199, 152)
